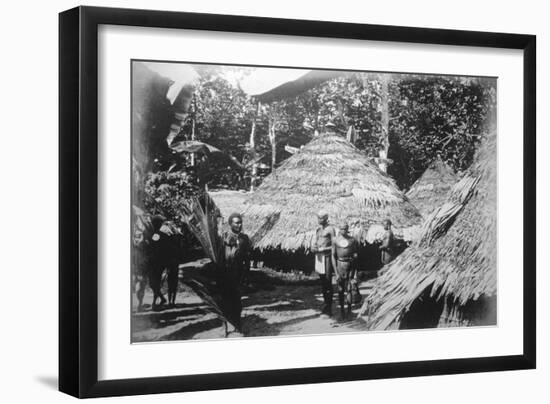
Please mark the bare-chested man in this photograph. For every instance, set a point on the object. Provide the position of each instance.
(322, 248)
(344, 255)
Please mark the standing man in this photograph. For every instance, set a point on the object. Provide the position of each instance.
(237, 265)
(163, 255)
(324, 237)
(387, 245)
(344, 255)
(174, 249)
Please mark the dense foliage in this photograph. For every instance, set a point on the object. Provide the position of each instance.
(166, 192)
(438, 116)
(429, 116)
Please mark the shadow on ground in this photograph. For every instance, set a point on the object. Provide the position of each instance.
(274, 303)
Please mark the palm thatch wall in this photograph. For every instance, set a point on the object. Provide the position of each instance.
(229, 201)
(449, 276)
(432, 188)
(330, 174)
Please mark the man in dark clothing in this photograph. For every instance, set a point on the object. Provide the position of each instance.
(173, 277)
(145, 269)
(387, 245)
(344, 255)
(156, 248)
(237, 265)
(163, 254)
(322, 248)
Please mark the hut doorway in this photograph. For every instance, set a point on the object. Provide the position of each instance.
(427, 312)
(424, 312)
(479, 312)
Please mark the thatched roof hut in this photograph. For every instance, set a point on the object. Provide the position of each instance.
(432, 188)
(330, 174)
(449, 276)
(229, 201)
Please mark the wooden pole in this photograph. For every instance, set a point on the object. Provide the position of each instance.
(273, 141)
(193, 117)
(253, 150)
(385, 121)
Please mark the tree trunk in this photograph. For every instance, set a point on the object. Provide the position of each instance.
(253, 151)
(193, 128)
(385, 121)
(253, 156)
(273, 141)
(192, 138)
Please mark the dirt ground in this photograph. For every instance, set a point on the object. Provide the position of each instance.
(274, 304)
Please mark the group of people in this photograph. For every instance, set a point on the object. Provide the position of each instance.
(156, 248)
(336, 254)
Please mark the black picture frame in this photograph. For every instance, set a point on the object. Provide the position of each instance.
(78, 200)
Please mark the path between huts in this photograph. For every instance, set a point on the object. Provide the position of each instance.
(275, 304)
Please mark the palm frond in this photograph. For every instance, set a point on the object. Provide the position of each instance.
(202, 221)
(207, 296)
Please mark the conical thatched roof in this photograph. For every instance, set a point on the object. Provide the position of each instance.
(432, 188)
(456, 257)
(229, 201)
(330, 174)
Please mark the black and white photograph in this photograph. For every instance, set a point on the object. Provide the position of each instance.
(277, 201)
(273, 203)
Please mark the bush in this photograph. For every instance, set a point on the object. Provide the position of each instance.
(166, 192)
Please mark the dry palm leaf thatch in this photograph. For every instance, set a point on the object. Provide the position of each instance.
(329, 174)
(432, 188)
(229, 201)
(455, 261)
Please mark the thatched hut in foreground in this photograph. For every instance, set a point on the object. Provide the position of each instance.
(330, 174)
(432, 188)
(449, 277)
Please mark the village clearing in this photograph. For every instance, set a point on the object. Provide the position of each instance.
(275, 304)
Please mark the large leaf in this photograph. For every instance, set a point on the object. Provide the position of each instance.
(202, 221)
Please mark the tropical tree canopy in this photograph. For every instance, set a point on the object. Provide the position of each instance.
(427, 118)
